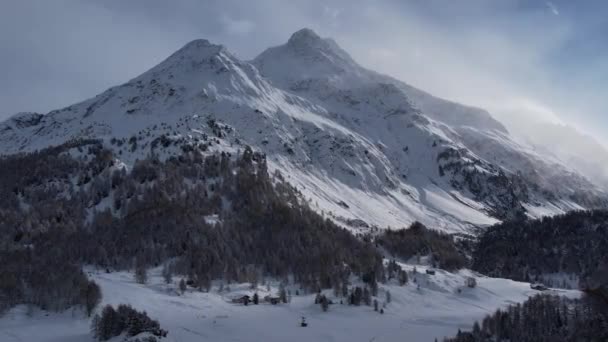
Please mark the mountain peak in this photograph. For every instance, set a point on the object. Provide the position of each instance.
(306, 55)
(308, 41)
(304, 36)
(195, 53)
(200, 48)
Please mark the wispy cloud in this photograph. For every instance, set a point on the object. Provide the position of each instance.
(487, 53)
(331, 12)
(236, 26)
(552, 7)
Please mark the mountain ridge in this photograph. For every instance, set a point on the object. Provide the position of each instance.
(366, 148)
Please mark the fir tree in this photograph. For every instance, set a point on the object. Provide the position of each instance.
(182, 286)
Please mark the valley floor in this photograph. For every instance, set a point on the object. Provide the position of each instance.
(430, 308)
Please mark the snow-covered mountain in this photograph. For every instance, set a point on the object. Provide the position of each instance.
(365, 148)
(576, 149)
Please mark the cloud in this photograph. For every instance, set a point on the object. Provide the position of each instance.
(552, 7)
(520, 113)
(537, 111)
(331, 12)
(237, 27)
(500, 55)
(381, 54)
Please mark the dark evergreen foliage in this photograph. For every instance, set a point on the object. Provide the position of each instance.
(573, 243)
(323, 301)
(124, 319)
(360, 295)
(418, 240)
(160, 211)
(42, 277)
(543, 319)
(92, 296)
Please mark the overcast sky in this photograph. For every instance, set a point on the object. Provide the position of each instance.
(543, 60)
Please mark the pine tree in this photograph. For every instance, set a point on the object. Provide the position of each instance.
(357, 296)
(324, 303)
(282, 293)
(95, 327)
(344, 288)
(109, 324)
(135, 323)
(336, 289)
(403, 277)
(167, 273)
(476, 330)
(373, 287)
(182, 286)
(367, 298)
(92, 297)
(141, 274)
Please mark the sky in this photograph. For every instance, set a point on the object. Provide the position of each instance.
(521, 60)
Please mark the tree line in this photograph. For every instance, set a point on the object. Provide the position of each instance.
(418, 240)
(124, 319)
(543, 318)
(528, 250)
(75, 204)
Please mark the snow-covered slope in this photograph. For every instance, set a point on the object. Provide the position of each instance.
(577, 149)
(365, 148)
(434, 310)
(324, 72)
(311, 63)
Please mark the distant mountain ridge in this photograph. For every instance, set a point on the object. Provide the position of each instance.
(365, 148)
(576, 149)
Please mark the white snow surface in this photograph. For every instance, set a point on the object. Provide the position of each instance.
(434, 310)
(362, 147)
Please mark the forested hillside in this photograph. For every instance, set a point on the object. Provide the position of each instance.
(214, 217)
(543, 318)
(561, 251)
(370, 149)
(418, 241)
(221, 216)
(570, 245)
